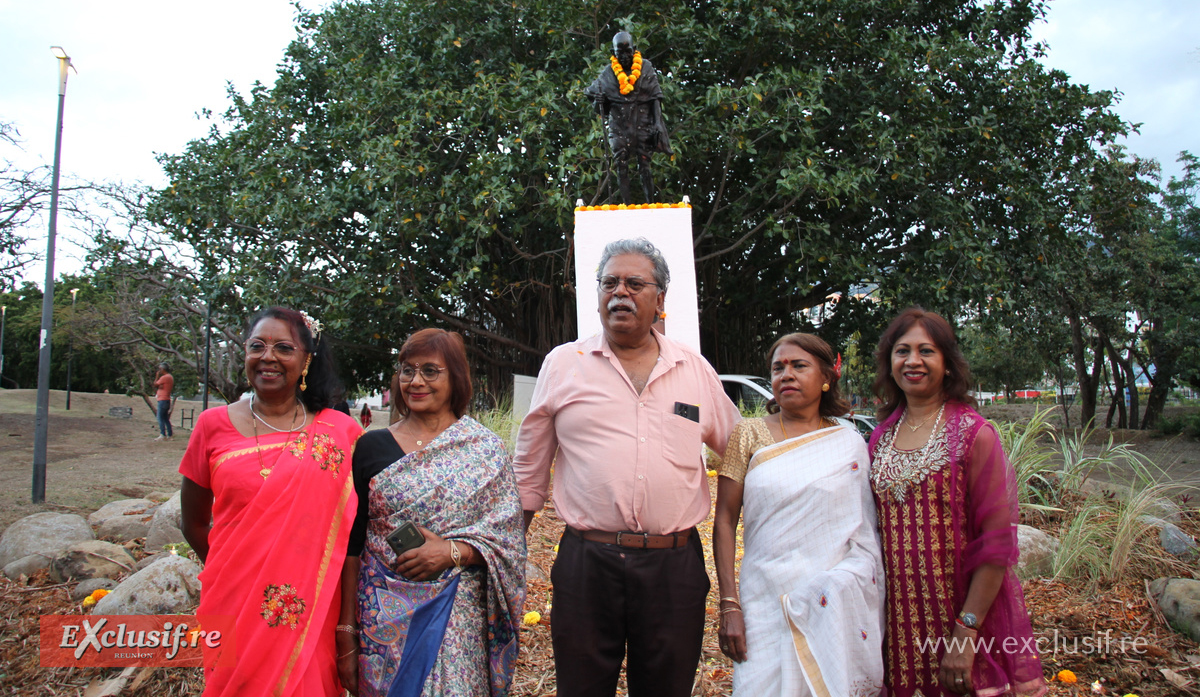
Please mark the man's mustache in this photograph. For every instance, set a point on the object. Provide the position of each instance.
(621, 304)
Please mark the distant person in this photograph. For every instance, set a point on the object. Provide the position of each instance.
(947, 502)
(268, 502)
(164, 383)
(365, 416)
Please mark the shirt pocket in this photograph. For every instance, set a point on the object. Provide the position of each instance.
(681, 444)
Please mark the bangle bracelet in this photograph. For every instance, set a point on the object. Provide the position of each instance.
(725, 610)
(731, 599)
(455, 555)
(349, 629)
(959, 622)
(351, 651)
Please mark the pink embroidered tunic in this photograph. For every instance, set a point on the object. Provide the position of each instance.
(943, 511)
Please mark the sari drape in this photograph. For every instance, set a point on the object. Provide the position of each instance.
(283, 504)
(812, 574)
(963, 514)
(461, 487)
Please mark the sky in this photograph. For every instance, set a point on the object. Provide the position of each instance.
(146, 69)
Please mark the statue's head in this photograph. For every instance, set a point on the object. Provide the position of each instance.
(623, 47)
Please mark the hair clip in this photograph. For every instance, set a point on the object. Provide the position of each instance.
(314, 325)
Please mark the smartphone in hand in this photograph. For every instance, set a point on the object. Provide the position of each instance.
(405, 537)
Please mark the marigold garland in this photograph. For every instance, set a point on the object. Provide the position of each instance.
(627, 81)
(631, 207)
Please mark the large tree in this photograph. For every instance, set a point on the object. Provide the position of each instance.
(418, 163)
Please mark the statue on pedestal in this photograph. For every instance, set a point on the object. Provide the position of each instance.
(629, 99)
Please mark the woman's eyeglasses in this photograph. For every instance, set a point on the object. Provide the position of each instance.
(428, 372)
(281, 349)
(633, 284)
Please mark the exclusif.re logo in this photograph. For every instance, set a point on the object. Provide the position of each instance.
(136, 640)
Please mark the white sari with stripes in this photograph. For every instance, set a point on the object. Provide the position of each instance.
(812, 574)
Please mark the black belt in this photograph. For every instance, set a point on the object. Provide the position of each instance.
(635, 540)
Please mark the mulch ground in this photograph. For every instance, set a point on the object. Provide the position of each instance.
(1080, 631)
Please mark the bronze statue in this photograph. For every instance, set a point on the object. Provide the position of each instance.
(628, 97)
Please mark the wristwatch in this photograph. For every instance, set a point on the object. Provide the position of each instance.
(968, 620)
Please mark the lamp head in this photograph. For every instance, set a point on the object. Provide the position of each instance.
(59, 52)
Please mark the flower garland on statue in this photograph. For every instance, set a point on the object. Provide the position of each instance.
(627, 81)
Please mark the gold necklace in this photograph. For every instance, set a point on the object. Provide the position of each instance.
(265, 471)
(824, 423)
(913, 429)
(412, 432)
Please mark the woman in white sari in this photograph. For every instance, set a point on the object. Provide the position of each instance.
(809, 618)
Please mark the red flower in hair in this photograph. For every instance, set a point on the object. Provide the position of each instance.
(837, 367)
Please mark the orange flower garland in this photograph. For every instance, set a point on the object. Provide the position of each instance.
(627, 81)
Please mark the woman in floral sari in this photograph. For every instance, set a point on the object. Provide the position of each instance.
(808, 618)
(271, 474)
(947, 501)
(442, 618)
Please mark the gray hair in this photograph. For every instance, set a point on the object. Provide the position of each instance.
(642, 246)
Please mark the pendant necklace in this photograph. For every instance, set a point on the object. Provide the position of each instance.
(924, 421)
(265, 471)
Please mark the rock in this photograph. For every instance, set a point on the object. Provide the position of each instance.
(85, 588)
(42, 533)
(147, 561)
(169, 586)
(117, 509)
(91, 559)
(125, 527)
(1177, 542)
(533, 573)
(1037, 552)
(27, 566)
(1179, 600)
(160, 496)
(167, 525)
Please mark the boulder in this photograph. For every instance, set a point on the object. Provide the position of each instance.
(27, 566)
(1179, 600)
(125, 527)
(91, 559)
(42, 533)
(169, 586)
(1177, 542)
(1037, 552)
(85, 588)
(117, 509)
(147, 561)
(167, 525)
(159, 496)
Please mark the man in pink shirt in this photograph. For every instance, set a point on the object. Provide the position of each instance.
(164, 383)
(622, 417)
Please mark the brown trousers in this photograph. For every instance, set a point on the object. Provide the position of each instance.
(609, 598)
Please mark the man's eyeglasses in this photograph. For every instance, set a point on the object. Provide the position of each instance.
(429, 373)
(633, 284)
(281, 349)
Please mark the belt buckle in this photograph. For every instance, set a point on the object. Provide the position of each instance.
(645, 539)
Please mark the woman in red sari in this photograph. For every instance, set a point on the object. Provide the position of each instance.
(947, 503)
(268, 502)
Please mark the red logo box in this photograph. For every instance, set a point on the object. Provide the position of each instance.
(121, 641)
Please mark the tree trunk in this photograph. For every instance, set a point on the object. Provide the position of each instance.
(1165, 368)
(1119, 391)
(1087, 386)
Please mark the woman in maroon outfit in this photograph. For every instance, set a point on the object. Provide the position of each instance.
(947, 502)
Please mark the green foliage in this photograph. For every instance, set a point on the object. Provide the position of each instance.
(1025, 444)
(417, 163)
(1002, 360)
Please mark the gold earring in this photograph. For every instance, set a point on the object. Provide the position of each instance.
(304, 374)
(825, 387)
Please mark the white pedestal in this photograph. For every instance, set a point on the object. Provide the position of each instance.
(669, 229)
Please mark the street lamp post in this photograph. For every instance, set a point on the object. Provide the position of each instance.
(71, 345)
(3, 315)
(42, 422)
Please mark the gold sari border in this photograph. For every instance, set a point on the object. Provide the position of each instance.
(808, 662)
(245, 451)
(322, 572)
(773, 451)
